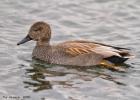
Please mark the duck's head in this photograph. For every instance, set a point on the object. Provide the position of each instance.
(40, 32)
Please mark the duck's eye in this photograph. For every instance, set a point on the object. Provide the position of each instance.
(38, 29)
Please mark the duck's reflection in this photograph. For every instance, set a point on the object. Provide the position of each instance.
(42, 76)
(37, 79)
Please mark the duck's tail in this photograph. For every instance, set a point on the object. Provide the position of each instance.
(124, 56)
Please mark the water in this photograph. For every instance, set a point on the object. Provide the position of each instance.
(114, 22)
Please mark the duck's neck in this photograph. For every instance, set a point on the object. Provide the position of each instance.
(42, 50)
(43, 43)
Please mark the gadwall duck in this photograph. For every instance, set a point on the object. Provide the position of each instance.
(76, 52)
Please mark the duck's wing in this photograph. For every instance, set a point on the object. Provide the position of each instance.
(83, 41)
(75, 48)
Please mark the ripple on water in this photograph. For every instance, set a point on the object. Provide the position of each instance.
(71, 24)
(103, 1)
(6, 61)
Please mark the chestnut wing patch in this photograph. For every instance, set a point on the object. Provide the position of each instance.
(76, 49)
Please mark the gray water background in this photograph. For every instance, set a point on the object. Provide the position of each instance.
(115, 22)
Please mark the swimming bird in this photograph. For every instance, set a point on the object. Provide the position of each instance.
(74, 52)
